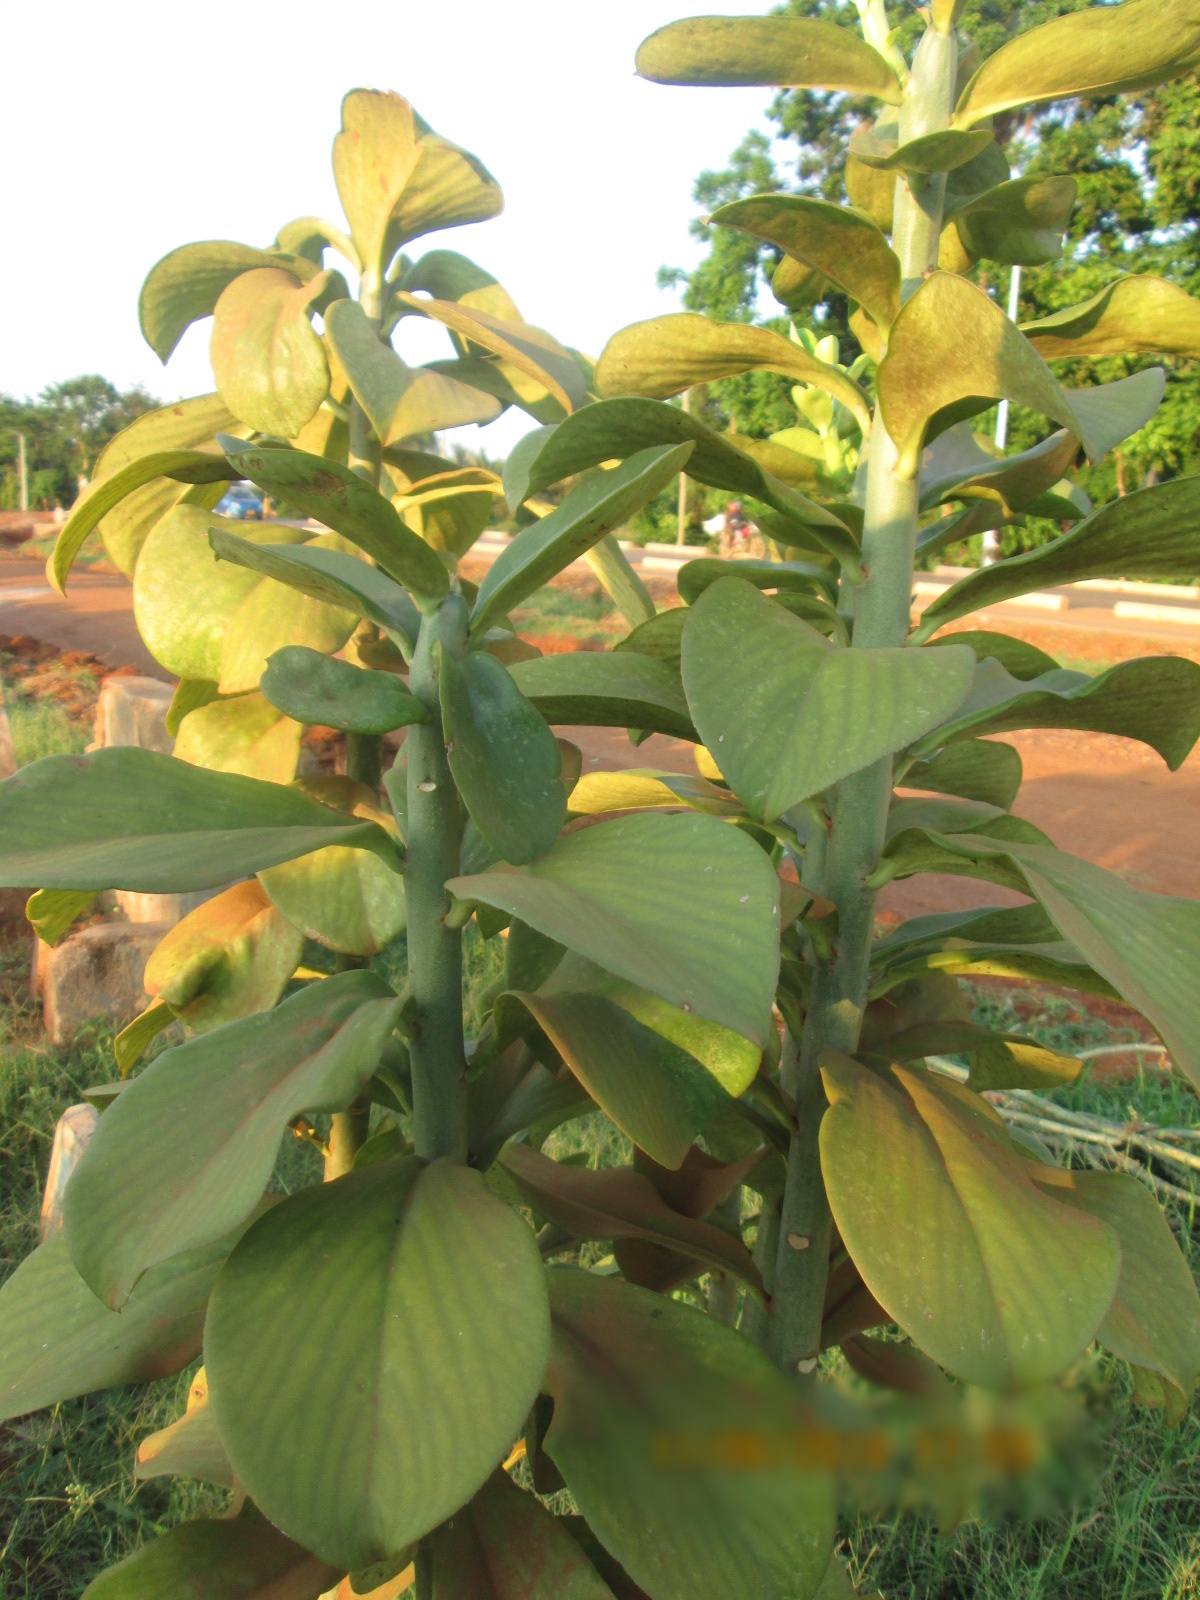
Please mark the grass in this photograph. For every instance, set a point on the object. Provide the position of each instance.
(69, 1505)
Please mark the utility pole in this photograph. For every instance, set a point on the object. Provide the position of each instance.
(22, 473)
(687, 406)
(991, 539)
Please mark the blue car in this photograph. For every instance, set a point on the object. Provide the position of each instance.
(241, 500)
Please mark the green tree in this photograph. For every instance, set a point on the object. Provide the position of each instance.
(65, 430)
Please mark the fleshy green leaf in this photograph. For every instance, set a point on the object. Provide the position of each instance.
(505, 1545)
(343, 501)
(334, 576)
(943, 151)
(618, 690)
(446, 275)
(272, 618)
(347, 900)
(100, 497)
(1097, 52)
(186, 284)
(184, 598)
(618, 1203)
(374, 156)
(243, 734)
(979, 1266)
(681, 905)
(400, 401)
(182, 426)
(617, 428)
(505, 761)
(448, 188)
(230, 957)
(588, 513)
(636, 1377)
(188, 1448)
(401, 1291)
(520, 346)
(976, 769)
(269, 364)
(156, 1179)
(1154, 1320)
(1131, 315)
(243, 1559)
(315, 688)
(1020, 222)
(1152, 533)
(57, 1340)
(950, 343)
(666, 355)
(125, 818)
(778, 52)
(612, 570)
(50, 912)
(660, 1074)
(1155, 699)
(840, 243)
(785, 713)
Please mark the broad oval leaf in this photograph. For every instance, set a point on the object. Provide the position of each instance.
(506, 763)
(374, 156)
(943, 151)
(401, 1291)
(1151, 533)
(448, 188)
(243, 734)
(635, 1376)
(1154, 1320)
(998, 1282)
(505, 1545)
(348, 900)
(317, 689)
(976, 769)
(1132, 315)
(272, 618)
(951, 343)
(842, 244)
(779, 52)
(588, 513)
(189, 1447)
(338, 497)
(786, 714)
(622, 689)
(230, 957)
(1021, 222)
(666, 355)
(1099, 51)
(125, 818)
(156, 1179)
(184, 598)
(186, 284)
(446, 275)
(269, 364)
(681, 905)
(240, 1559)
(57, 1340)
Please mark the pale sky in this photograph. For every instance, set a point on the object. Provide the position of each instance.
(132, 126)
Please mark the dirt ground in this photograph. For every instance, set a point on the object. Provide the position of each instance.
(1110, 800)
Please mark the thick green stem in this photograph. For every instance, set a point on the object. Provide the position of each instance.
(364, 759)
(882, 606)
(436, 1050)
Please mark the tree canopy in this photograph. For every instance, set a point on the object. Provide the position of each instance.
(65, 429)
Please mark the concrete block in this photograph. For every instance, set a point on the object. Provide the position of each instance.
(134, 711)
(75, 1128)
(160, 907)
(96, 974)
(8, 758)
